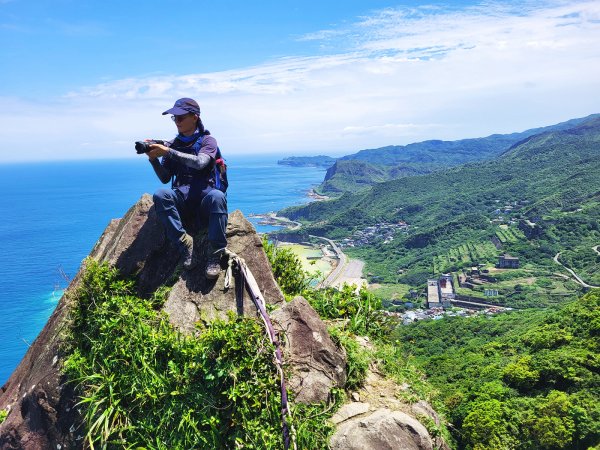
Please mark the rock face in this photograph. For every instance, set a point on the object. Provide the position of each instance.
(349, 410)
(138, 247)
(422, 408)
(317, 363)
(40, 403)
(382, 429)
(377, 418)
(39, 399)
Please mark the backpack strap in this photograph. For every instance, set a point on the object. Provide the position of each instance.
(220, 172)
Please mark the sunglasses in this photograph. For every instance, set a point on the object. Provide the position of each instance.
(180, 118)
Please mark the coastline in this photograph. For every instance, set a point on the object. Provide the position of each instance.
(272, 219)
(333, 267)
(313, 194)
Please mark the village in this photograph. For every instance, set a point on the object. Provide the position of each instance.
(385, 231)
(382, 231)
(440, 299)
(443, 301)
(436, 313)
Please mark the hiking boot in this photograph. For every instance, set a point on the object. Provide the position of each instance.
(187, 251)
(213, 265)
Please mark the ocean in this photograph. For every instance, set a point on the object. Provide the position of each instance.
(54, 212)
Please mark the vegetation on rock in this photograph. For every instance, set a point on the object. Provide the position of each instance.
(145, 385)
(353, 313)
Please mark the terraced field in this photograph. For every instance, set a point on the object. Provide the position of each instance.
(465, 255)
(508, 234)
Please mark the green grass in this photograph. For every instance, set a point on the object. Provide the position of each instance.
(359, 358)
(391, 291)
(145, 385)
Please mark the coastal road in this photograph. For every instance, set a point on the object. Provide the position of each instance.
(349, 272)
(579, 280)
(342, 259)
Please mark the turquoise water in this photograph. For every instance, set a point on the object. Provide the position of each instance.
(53, 213)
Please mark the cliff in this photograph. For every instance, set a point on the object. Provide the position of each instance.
(43, 404)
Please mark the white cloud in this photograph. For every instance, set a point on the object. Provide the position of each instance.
(405, 76)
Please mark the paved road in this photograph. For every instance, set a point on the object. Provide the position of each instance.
(349, 272)
(596, 249)
(342, 259)
(579, 280)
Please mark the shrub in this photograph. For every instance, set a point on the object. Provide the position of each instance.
(362, 311)
(143, 384)
(287, 269)
(358, 358)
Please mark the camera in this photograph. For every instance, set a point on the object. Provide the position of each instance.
(144, 146)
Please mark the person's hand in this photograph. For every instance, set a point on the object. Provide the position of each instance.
(157, 150)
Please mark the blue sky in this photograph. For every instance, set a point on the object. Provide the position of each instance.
(86, 79)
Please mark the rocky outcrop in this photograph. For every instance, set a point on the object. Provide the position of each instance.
(422, 408)
(350, 410)
(43, 413)
(41, 404)
(377, 407)
(138, 247)
(317, 363)
(382, 429)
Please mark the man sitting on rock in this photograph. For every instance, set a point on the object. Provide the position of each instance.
(189, 161)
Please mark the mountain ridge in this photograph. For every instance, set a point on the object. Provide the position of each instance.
(545, 180)
(396, 161)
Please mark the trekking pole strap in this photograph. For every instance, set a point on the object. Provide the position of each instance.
(259, 302)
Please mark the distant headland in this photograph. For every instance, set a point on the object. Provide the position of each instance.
(308, 161)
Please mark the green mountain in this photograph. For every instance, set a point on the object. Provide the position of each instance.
(540, 197)
(367, 167)
(355, 175)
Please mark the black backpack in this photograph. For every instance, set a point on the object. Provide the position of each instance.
(219, 169)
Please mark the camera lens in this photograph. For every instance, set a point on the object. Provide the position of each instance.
(141, 147)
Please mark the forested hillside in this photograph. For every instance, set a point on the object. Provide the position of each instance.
(539, 198)
(368, 167)
(526, 379)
